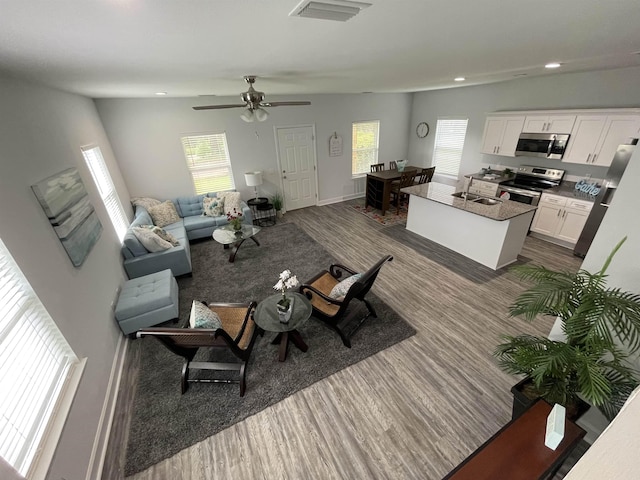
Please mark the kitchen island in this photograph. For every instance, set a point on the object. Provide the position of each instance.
(490, 234)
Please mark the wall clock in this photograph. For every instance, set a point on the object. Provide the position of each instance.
(422, 130)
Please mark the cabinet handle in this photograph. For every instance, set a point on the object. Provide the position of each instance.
(544, 127)
(558, 214)
(588, 158)
(593, 159)
(498, 149)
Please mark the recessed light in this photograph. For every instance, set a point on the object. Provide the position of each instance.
(459, 79)
(552, 65)
(161, 93)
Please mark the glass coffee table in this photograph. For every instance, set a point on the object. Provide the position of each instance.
(266, 317)
(227, 236)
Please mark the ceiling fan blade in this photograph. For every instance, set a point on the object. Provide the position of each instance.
(213, 107)
(282, 104)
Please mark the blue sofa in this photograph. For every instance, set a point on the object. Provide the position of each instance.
(138, 261)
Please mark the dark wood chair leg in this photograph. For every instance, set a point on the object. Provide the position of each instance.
(243, 382)
(184, 384)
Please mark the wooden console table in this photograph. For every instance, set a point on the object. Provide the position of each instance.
(379, 187)
(518, 452)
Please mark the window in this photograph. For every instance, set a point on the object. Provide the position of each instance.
(208, 162)
(36, 367)
(365, 146)
(447, 149)
(102, 179)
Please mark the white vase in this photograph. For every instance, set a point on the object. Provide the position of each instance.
(401, 164)
(284, 314)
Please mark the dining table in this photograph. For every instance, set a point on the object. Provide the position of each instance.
(378, 188)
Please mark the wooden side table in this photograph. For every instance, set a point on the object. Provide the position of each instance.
(518, 452)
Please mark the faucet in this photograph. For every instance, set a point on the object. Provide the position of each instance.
(466, 190)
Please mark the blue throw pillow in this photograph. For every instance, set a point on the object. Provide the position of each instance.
(203, 317)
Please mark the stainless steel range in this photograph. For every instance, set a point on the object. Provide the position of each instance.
(529, 183)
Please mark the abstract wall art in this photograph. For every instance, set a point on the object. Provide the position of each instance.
(66, 204)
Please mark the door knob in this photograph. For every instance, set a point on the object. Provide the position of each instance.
(284, 176)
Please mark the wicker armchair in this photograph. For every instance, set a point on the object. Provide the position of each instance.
(336, 313)
(237, 335)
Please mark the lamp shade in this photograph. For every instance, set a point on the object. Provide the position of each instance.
(247, 116)
(261, 114)
(253, 179)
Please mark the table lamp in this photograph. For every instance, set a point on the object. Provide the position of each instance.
(253, 179)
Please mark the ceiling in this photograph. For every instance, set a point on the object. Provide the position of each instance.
(135, 48)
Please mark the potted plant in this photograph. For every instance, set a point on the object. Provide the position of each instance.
(277, 202)
(285, 304)
(602, 329)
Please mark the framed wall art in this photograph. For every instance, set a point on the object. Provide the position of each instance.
(66, 203)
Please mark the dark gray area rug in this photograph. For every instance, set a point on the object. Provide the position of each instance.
(165, 422)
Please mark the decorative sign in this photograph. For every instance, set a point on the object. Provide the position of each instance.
(335, 145)
(555, 427)
(588, 188)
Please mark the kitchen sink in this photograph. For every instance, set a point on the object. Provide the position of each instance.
(486, 201)
(476, 198)
(470, 196)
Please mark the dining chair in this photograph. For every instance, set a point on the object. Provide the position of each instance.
(377, 167)
(393, 165)
(406, 180)
(425, 175)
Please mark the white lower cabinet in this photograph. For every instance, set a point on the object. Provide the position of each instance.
(561, 218)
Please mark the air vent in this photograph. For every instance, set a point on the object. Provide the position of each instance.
(338, 10)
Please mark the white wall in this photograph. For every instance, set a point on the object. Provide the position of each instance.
(613, 454)
(40, 134)
(602, 89)
(145, 135)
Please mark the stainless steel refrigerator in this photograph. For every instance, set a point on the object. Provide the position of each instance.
(604, 197)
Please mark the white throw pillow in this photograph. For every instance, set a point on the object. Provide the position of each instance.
(231, 202)
(339, 291)
(145, 202)
(150, 240)
(164, 214)
(212, 206)
(203, 317)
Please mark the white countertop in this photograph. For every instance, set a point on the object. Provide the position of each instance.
(442, 193)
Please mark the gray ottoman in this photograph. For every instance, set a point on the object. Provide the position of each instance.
(147, 301)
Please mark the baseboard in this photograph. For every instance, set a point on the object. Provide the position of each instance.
(96, 462)
(344, 198)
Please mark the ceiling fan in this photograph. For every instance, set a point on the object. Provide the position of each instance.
(254, 103)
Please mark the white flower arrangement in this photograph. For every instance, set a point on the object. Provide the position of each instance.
(287, 280)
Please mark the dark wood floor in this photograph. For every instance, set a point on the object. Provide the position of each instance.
(413, 411)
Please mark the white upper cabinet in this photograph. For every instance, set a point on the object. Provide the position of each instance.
(501, 134)
(549, 123)
(595, 138)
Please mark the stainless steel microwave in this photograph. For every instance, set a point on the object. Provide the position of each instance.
(546, 145)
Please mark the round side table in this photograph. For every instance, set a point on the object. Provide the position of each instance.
(266, 317)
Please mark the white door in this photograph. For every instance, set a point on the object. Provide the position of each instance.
(297, 160)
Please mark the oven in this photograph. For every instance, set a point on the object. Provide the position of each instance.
(530, 197)
(529, 183)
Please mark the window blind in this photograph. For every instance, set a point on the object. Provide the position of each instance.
(35, 363)
(447, 149)
(98, 168)
(208, 162)
(364, 146)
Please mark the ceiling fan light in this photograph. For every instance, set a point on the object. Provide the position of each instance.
(247, 116)
(261, 114)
